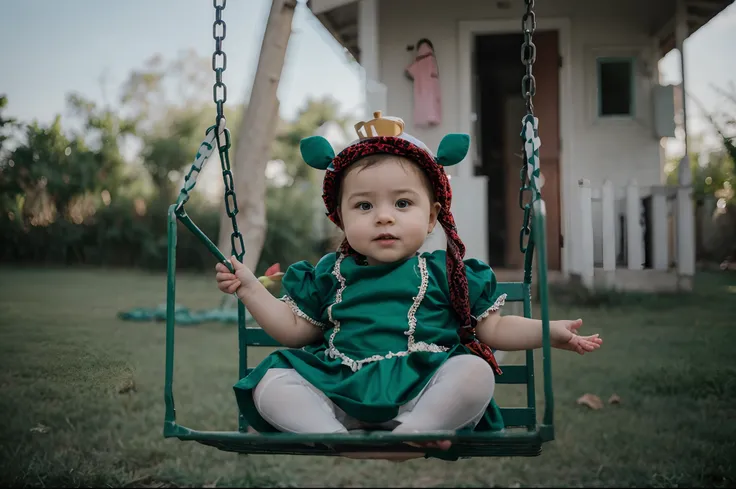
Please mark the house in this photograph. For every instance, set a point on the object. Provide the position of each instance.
(603, 116)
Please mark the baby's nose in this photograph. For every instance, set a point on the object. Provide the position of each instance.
(385, 216)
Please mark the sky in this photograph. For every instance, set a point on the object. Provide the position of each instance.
(52, 48)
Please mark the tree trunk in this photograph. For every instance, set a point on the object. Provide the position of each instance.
(255, 135)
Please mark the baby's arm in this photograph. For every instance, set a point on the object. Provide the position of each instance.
(511, 333)
(277, 318)
(273, 315)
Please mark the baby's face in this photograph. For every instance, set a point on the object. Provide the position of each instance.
(386, 209)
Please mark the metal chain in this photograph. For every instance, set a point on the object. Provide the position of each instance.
(528, 55)
(528, 90)
(219, 95)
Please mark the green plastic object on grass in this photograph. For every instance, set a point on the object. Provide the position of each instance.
(184, 316)
(525, 432)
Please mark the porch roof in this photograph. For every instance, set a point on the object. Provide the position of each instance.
(699, 13)
(340, 18)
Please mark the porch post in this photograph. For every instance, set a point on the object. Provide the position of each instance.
(634, 255)
(685, 216)
(373, 90)
(586, 257)
(660, 231)
(608, 218)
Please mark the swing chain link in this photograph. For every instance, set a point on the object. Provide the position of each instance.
(219, 95)
(528, 90)
(528, 55)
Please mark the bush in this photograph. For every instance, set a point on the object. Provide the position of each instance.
(116, 235)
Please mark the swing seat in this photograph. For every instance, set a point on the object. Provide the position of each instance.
(523, 435)
(495, 444)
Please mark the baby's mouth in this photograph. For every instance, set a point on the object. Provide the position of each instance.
(385, 237)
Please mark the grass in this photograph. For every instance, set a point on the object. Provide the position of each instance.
(65, 358)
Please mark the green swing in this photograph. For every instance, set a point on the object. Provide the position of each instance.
(524, 433)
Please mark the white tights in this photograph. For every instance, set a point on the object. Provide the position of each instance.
(456, 397)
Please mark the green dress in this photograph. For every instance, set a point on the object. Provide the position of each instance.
(387, 329)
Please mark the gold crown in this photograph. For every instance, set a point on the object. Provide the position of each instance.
(379, 126)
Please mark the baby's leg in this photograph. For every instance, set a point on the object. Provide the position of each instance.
(456, 397)
(289, 403)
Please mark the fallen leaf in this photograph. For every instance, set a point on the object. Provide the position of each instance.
(591, 400)
(212, 484)
(128, 385)
(40, 428)
(614, 399)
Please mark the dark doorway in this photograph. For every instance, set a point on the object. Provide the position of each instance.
(500, 107)
(498, 77)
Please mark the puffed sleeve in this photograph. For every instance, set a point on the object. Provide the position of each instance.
(483, 292)
(306, 288)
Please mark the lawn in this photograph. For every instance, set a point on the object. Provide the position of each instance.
(82, 394)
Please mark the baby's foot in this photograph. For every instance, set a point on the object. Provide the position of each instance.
(440, 444)
(391, 457)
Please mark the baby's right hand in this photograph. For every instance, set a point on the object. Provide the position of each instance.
(229, 282)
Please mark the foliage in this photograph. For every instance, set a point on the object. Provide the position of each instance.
(171, 132)
(714, 170)
(50, 166)
(724, 120)
(106, 131)
(7, 200)
(310, 117)
(714, 177)
(5, 124)
(290, 216)
(80, 198)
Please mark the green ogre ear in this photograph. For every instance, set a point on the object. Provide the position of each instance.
(317, 152)
(453, 149)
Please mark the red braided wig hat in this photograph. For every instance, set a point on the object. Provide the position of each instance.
(385, 135)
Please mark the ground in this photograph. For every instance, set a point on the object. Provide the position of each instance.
(82, 394)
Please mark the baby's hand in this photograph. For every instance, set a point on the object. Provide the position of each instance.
(563, 335)
(229, 282)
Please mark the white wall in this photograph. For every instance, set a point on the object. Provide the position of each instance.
(594, 149)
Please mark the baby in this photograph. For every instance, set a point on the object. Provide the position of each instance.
(379, 335)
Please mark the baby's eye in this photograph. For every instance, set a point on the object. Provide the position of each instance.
(402, 203)
(363, 206)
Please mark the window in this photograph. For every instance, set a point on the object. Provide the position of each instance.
(615, 87)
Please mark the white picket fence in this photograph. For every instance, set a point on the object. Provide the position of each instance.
(612, 229)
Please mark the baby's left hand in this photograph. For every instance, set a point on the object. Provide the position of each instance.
(563, 335)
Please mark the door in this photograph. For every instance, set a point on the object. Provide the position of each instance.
(546, 109)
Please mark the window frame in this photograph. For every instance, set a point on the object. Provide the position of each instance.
(631, 61)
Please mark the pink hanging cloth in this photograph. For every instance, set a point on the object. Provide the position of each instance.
(425, 74)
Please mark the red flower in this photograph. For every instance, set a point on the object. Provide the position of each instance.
(273, 269)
